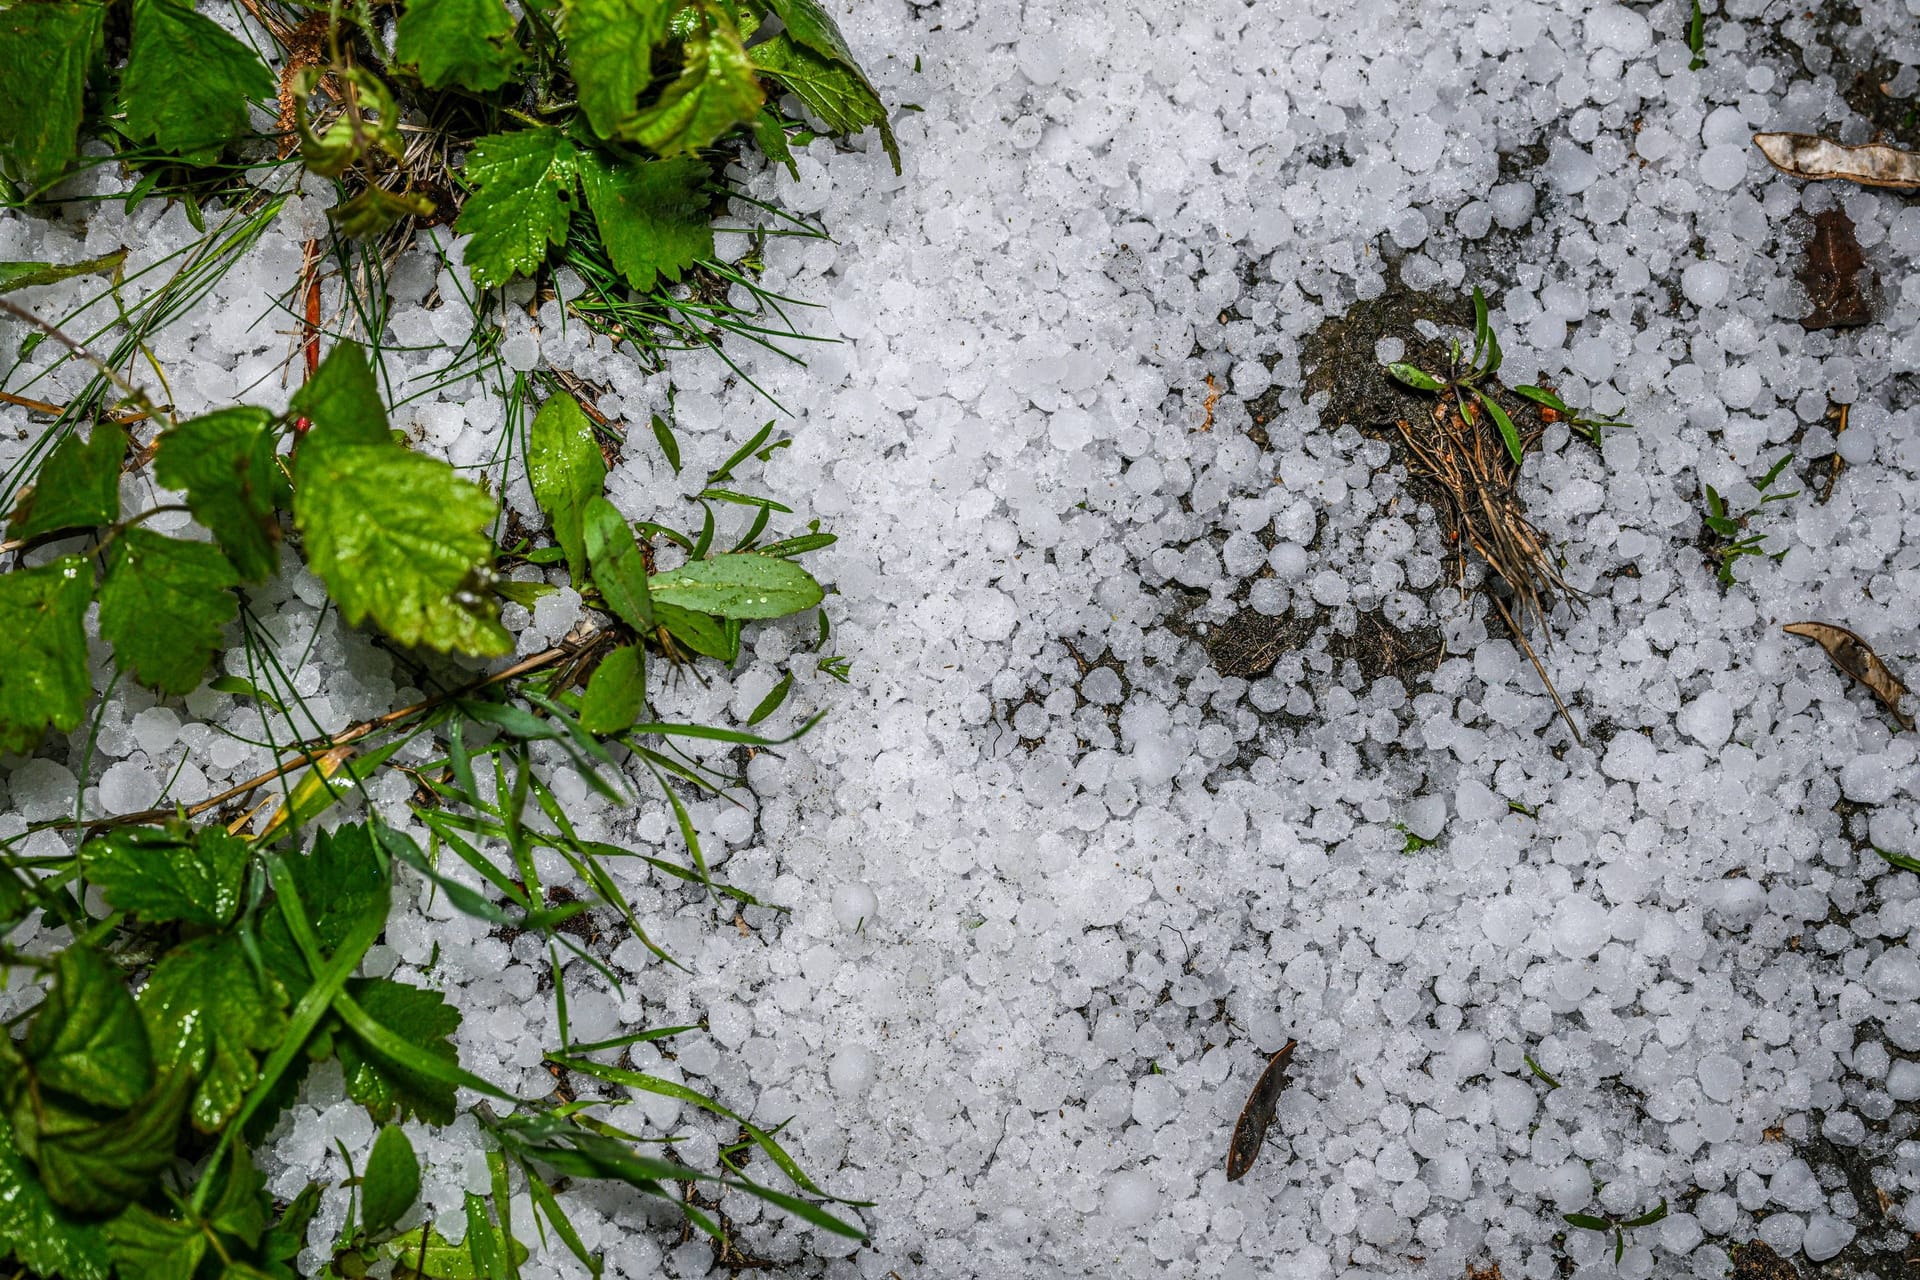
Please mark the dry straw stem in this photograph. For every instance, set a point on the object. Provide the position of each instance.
(1817, 159)
(1470, 461)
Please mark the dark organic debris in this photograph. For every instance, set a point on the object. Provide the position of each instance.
(1857, 659)
(1250, 1133)
(1756, 1260)
(1247, 644)
(1835, 275)
(1819, 159)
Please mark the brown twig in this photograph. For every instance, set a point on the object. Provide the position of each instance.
(1833, 475)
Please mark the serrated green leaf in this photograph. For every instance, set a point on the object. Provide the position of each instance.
(391, 1183)
(28, 275)
(397, 536)
(343, 885)
(86, 1039)
(618, 569)
(391, 1088)
(39, 1233)
(188, 81)
(616, 692)
(155, 1248)
(160, 874)
(1417, 378)
(243, 1206)
(833, 90)
(742, 585)
(463, 42)
(208, 1014)
(341, 401)
(225, 463)
(610, 44)
(522, 202)
(164, 607)
(44, 680)
(567, 471)
(98, 1167)
(715, 91)
(47, 49)
(78, 486)
(652, 215)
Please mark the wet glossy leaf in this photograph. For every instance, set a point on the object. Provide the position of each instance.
(611, 44)
(463, 42)
(160, 874)
(165, 606)
(618, 569)
(208, 1014)
(47, 50)
(78, 486)
(715, 91)
(44, 680)
(652, 215)
(225, 462)
(188, 81)
(567, 472)
(742, 585)
(616, 692)
(391, 1182)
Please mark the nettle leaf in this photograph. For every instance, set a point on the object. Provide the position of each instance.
(397, 536)
(162, 875)
(715, 90)
(40, 1234)
(391, 1088)
(833, 90)
(46, 50)
(225, 462)
(391, 1183)
(616, 692)
(522, 203)
(652, 215)
(98, 1167)
(78, 486)
(207, 1013)
(742, 585)
(86, 1039)
(618, 568)
(148, 1245)
(463, 42)
(567, 471)
(164, 606)
(610, 44)
(44, 680)
(188, 81)
(341, 882)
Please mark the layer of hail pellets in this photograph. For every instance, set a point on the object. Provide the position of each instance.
(1057, 887)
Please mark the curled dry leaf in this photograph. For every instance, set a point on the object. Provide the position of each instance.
(1817, 159)
(1250, 1133)
(1855, 657)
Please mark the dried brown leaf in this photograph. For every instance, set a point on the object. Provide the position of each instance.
(1857, 659)
(1250, 1133)
(1836, 277)
(1817, 159)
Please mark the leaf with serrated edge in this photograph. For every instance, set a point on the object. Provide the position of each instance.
(78, 486)
(616, 692)
(225, 463)
(161, 875)
(147, 1245)
(715, 91)
(46, 52)
(207, 1013)
(188, 81)
(388, 1089)
(86, 1039)
(463, 42)
(610, 44)
(44, 679)
(652, 215)
(39, 1233)
(839, 95)
(522, 202)
(743, 585)
(97, 1167)
(164, 606)
(567, 472)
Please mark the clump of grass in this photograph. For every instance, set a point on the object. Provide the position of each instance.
(1732, 531)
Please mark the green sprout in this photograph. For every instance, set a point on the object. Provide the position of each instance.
(1465, 374)
(1618, 1226)
(1731, 529)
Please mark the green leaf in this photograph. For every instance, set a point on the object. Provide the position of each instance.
(715, 91)
(522, 203)
(208, 1014)
(616, 692)
(243, 1206)
(771, 703)
(391, 1183)
(610, 44)
(225, 462)
(524, 594)
(47, 50)
(1697, 38)
(98, 1167)
(344, 886)
(1773, 473)
(424, 1254)
(39, 1233)
(1905, 862)
(288, 1236)
(810, 26)
(188, 82)
(78, 486)
(241, 687)
(155, 1248)
(618, 570)
(396, 536)
(770, 134)
(834, 91)
(463, 42)
(342, 402)
(1418, 379)
(1539, 395)
(44, 679)
(164, 607)
(27, 275)
(1656, 1214)
(567, 471)
(86, 1039)
(1508, 432)
(740, 585)
(669, 446)
(1588, 1221)
(652, 215)
(389, 1086)
(168, 874)
(697, 631)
